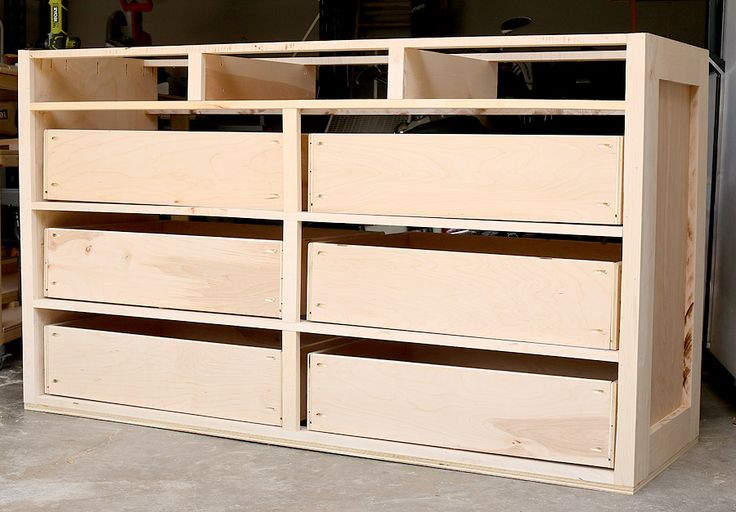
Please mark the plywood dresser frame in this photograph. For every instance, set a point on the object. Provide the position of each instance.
(663, 254)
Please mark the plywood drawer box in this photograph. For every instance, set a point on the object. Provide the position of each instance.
(208, 370)
(568, 178)
(526, 406)
(547, 291)
(199, 266)
(222, 170)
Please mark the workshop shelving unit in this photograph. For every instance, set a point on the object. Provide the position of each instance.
(570, 354)
(10, 315)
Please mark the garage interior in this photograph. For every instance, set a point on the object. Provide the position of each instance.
(70, 461)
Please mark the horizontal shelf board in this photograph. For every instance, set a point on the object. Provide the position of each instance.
(448, 43)
(483, 225)
(531, 56)
(165, 63)
(336, 218)
(372, 107)
(499, 465)
(63, 206)
(328, 329)
(347, 60)
(100, 308)
(574, 56)
(519, 347)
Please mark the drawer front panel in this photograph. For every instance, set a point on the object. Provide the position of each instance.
(222, 170)
(225, 275)
(511, 177)
(526, 415)
(209, 379)
(558, 301)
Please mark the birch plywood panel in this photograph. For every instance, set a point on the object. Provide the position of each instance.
(515, 177)
(429, 74)
(673, 274)
(225, 170)
(227, 77)
(101, 79)
(558, 301)
(520, 414)
(210, 379)
(226, 275)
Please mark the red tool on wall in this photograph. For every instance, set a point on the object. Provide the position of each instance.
(136, 9)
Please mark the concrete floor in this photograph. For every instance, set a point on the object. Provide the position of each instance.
(57, 463)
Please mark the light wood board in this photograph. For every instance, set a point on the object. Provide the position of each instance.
(429, 74)
(547, 178)
(540, 416)
(225, 170)
(226, 275)
(672, 339)
(227, 77)
(204, 378)
(567, 302)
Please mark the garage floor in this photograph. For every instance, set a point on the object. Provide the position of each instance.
(58, 463)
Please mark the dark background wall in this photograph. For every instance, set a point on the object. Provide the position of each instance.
(200, 21)
(209, 21)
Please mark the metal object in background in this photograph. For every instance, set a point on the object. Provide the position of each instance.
(135, 10)
(721, 312)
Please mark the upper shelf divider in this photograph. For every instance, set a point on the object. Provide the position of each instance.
(429, 68)
(236, 78)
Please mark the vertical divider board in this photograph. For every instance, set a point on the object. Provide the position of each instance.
(438, 75)
(228, 78)
(292, 267)
(662, 233)
(195, 76)
(423, 74)
(396, 60)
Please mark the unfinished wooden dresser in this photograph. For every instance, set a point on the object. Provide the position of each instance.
(540, 320)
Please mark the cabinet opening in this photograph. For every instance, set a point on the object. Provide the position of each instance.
(192, 228)
(218, 227)
(210, 333)
(472, 358)
(512, 246)
(452, 124)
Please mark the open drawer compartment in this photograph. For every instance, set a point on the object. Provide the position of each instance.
(198, 266)
(199, 169)
(548, 291)
(502, 403)
(544, 178)
(209, 370)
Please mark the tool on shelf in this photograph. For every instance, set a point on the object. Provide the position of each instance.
(58, 37)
